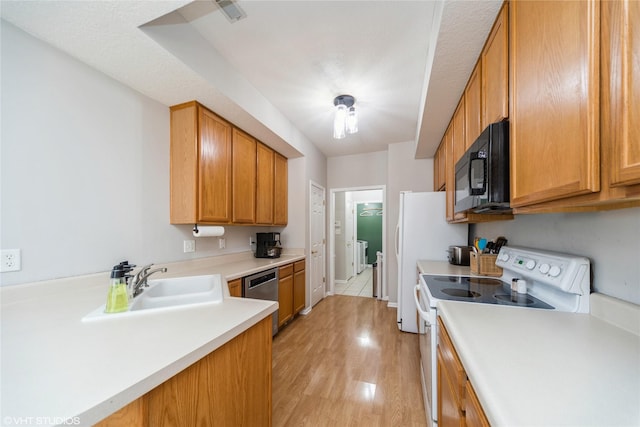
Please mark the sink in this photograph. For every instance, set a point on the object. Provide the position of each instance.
(179, 291)
(167, 294)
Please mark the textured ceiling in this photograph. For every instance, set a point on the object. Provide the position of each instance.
(275, 73)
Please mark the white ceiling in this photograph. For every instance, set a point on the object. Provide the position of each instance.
(275, 73)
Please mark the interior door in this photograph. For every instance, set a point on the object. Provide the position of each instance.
(317, 264)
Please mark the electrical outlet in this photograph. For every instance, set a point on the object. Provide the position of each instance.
(222, 243)
(250, 241)
(189, 246)
(11, 260)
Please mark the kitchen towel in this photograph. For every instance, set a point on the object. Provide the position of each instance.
(208, 231)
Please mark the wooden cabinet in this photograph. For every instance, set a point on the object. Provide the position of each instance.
(281, 204)
(495, 71)
(621, 88)
(458, 404)
(244, 178)
(200, 158)
(458, 136)
(450, 172)
(299, 286)
(265, 185)
(473, 414)
(473, 107)
(229, 387)
(555, 112)
(291, 291)
(235, 287)
(222, 175)
(285, 294)
(440, 167)
(589, 149)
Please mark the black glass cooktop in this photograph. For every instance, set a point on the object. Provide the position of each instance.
(483, 290)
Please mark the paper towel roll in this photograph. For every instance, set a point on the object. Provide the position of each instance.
(209, 231)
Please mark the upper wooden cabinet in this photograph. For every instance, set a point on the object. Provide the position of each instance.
(495, 71)
(200, 158)
(579, 114)
(621, 89)
(222, 175)
(281, 204)
(555, 112)
(244, 178)
(458, 135)
(440, 167)
(473, 107)
(265, 185)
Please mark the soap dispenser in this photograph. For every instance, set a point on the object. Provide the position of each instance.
(118, 297)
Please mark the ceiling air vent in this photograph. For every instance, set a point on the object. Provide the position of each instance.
(231, 10)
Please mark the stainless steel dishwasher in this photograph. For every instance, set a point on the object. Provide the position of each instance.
(263, 285)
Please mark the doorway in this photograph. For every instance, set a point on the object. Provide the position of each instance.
(356, 241)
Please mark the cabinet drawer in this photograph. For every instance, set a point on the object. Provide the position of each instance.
(286, 270)
(451, 362)
(298, 266)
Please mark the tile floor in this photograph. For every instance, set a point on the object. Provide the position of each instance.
(360, 285)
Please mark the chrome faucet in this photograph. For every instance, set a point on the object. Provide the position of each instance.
(139, 281)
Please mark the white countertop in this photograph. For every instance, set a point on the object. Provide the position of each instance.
(443, 268)
(540, 367)
(56, 367)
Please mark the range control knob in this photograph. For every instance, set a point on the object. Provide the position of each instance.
(544, 268)
(503, 257)
(554, 271)
(530, 264)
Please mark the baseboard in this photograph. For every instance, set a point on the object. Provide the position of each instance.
(392, 304)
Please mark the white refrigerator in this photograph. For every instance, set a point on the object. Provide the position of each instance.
(422, 233)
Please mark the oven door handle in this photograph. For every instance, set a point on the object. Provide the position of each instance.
(423, 314)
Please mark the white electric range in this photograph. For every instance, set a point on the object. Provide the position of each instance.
(554, 281)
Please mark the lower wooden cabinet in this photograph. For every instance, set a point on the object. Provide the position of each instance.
(235, 287)
(458, 404)
(299, 294)
(285, 294)
(229, 387)
(291, 291)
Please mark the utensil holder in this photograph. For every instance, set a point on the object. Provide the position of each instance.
(484, 264)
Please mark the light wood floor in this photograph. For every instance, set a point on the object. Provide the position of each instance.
(346, 364)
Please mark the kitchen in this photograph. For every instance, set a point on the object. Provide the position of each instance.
(75, 221)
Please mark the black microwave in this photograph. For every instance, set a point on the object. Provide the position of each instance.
(482, 174)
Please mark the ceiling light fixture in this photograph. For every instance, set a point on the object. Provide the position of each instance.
(346, 119)
(231, 10)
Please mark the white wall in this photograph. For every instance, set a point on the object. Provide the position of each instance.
(359, 170)
(611, 240)
(85, 171)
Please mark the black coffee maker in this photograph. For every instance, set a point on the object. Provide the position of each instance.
(268, 245)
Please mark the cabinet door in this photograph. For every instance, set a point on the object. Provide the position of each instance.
(495, 71)
(450, 172)
(235, 288)
(244, 178)
(554, 61)
(621, 89)
(449, 414)
(474, 415)
(264, 185)
(439, 166)
(281, 201)
(458, 135)
(473, 106)
(214, 169)
(285, 294)
(299, 290)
